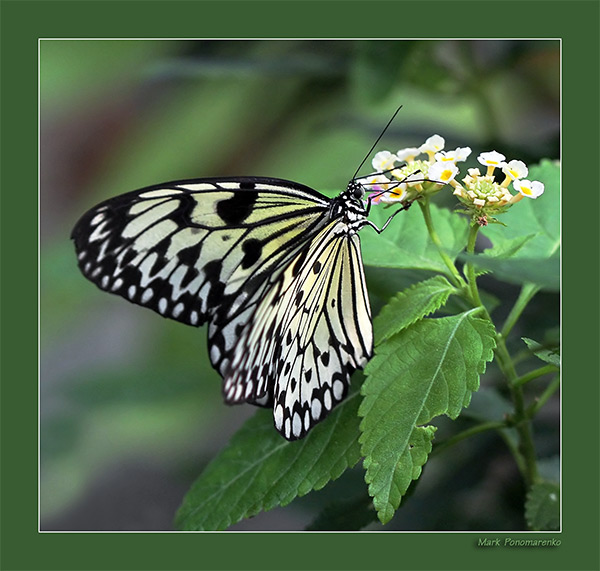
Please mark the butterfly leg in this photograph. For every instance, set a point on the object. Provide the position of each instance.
(380, 230)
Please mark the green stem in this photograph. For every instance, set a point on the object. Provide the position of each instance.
(535, 374)
(520, 419)
(470, 267)
(514, 450)
(484, 427)
(527, 292)
(454, 275)
(543, 399)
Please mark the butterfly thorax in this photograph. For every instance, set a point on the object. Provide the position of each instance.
(349, 206)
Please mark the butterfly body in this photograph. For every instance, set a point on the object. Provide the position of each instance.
(273, 266)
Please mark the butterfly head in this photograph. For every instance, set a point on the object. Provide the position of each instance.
(355, 190)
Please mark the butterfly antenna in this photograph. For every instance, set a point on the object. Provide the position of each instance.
(377, 141)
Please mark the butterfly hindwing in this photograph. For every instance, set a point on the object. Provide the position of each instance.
(311, 330)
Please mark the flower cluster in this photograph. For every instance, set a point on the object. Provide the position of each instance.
(480, 194)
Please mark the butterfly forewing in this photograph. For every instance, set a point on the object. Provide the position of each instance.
(272, 265)
(184, 249)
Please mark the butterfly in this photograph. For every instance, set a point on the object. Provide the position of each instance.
(272, 266)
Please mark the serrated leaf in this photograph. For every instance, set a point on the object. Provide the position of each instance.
(428, 369)
(388, 491)
(547, 354)
(540, 217)
(542, 507)
(410, 305)
(406, 243)
(259, 470)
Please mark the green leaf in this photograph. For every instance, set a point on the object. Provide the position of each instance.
(410, 305)
(509, 247)
(259, 470)
(540, 217)
(428, 369)
(406, 243)
(542, 507)
(544, 272)
(547, 354)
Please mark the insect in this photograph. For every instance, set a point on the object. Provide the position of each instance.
(274, 268)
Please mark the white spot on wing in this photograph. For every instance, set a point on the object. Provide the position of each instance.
(327, 399)
(338, 389)
(215, 353)
(162, 305)
(278, 416)
(194, 317)
(178, 309)
(131, 291)
(147, 295)
(297, 424)
(160, 193)
(97, 219)
(316, 409)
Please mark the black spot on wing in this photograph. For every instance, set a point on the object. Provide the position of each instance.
(236, 209)
(252, 250)
(299, 262)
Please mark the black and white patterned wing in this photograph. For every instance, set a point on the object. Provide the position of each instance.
(308, 333)
(186, 248)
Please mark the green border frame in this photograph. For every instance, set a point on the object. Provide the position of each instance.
(23, 547)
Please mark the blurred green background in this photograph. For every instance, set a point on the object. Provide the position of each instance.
(130, 409)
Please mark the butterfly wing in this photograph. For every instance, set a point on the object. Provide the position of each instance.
(186, 248)
(280, 282)
(309, 332)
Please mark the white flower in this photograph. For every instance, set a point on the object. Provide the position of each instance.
(491, 159)
(375, 182)
(407, 154)
(515, 169)
(458, 154)
(529, 188)
(413, 178)
(395, 194)
(434, 144)
(442, 172)
(384, 161)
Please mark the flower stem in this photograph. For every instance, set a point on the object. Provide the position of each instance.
(470, 267)
(526, 294)
(454, 276)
